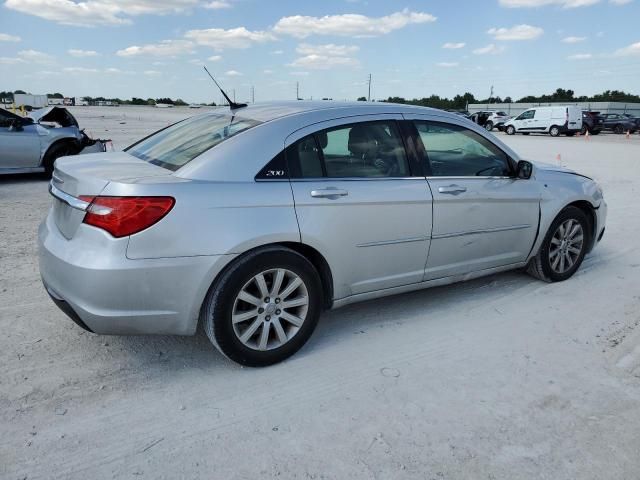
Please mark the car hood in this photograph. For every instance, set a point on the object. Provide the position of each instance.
(549, 167)
(58, 115)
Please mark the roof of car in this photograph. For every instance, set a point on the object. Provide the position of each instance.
(273, 110)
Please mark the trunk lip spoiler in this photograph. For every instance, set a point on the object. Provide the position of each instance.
(70, 200)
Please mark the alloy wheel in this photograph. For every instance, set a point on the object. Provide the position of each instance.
(270, 309)
(566, 246)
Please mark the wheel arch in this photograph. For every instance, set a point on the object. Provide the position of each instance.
(60, 141)
(311, 254)
(590, 213)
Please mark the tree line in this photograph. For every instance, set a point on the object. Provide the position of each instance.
(460, 102)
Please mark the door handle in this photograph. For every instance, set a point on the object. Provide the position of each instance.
(330, 192)
(452, 189)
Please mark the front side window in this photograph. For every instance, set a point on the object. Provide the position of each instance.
(454, 151)
(369, 150)
(175, 146)
(528, 115)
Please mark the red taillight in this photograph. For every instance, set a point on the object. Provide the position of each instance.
(124, 216)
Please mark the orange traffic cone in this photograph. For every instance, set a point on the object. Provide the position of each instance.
(628, 134)
(586, 135)
(559, 159)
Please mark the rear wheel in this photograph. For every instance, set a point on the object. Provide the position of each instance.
(618, 129)
(554, 131)
(264, 308)
(511, 130)
(584, 130)
(488, 126)
(563, 248)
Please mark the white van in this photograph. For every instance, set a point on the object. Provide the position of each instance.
(565, 119)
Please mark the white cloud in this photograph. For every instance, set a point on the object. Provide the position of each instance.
(620, 2)
(574, 39)
(35, 56)
(580, 56)
(152, 73)
(454, 46)
(447, 64)
(329, 49)
(218, 5)
(351, 25)
(233, 73)
(277, 52)
(214, 58)
(11, 60)
(267, 72)
(5, 37)
(117, 71)
(299, 73)
(323, 62)
(633, 49)
(219, 38)
(82, 53)
(89, 13)
(323, 57)
(491, 49)
(80, 70)
(166, 48)
(544, 3)
(517, 32)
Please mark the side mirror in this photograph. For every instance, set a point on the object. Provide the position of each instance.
(524, 170)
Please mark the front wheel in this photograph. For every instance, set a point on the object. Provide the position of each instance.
(488, 126)
(554, 131)
(511, 130)
(264, 307)
(563, 248)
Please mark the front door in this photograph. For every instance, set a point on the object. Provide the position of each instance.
(359, 204)
(19, 148)
(483, 217)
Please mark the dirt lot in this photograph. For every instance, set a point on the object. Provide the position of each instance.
(499, 378)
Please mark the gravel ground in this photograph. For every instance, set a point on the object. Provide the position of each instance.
(504, 377)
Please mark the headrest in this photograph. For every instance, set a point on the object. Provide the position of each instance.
(361, 141)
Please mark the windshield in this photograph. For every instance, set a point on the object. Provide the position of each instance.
(178, 144)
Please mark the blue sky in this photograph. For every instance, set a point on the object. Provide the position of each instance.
(154, 48)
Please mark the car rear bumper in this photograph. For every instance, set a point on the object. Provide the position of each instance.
(107, 293)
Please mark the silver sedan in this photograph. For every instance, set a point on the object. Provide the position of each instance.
(253, 221)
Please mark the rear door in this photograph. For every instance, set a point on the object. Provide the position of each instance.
(18, 148)
(360, 202)
(483, 217)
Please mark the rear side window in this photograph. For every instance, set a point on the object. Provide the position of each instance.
(455, 151)
(360, 150)
(175, 146)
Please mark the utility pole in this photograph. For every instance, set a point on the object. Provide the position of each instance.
(253, 94)
(491, 94)
(369, 95)
(297, 90)
(234, 95)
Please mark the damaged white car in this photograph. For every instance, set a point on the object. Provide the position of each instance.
(33, 143)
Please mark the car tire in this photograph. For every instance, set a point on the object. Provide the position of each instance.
(550, 263)
(56, 151)
(554, 131)
(225, 307)
(619, 129)
(584, 130)
(511, 130)
(488, 126)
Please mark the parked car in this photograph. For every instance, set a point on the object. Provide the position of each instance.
(490, 119)
(555, 120)
(592, 122)
(635, 119)
(618, 123)
(33, 143)
(252, 222)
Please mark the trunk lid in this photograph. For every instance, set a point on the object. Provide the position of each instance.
(89, 175)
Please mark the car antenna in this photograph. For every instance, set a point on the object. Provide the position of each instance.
(232, 105)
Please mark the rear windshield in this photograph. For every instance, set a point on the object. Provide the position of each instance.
(178, 144)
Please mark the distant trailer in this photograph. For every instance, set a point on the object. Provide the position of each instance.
(55, 101)
(68, 102)
(80, 102)
(164, 105)
(30, 101)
